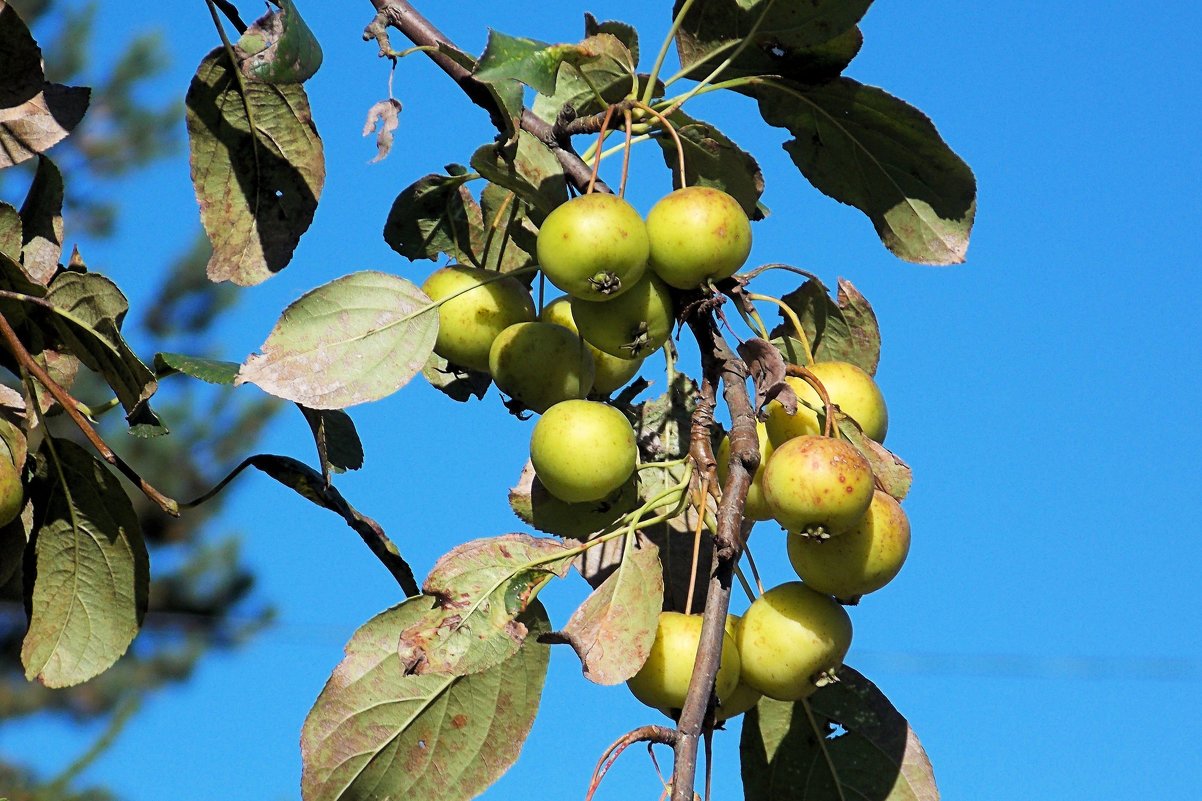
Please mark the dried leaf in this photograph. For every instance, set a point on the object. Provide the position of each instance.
(387, 115)
(766, 366)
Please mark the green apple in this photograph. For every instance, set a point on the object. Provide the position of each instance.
(790, 638)
(611, 372)
(744, 696)
(12, 492)
(663, 680)
(697, 234)
(583, 450)
(540, 364)
(630, 326)
(481, 305)
(757, 506)
(817, 486)
(850, 388)
(593, 246)
(862, 559)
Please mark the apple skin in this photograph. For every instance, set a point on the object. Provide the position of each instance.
(817, 486)
(540, 364)
(12, 492)
(468, 324)
(852, 389)
(757, 505)
(593, 246)
(663, 680)
(789, 637)
(582, 450)
(630, 326)
(862, 559)
(610, 372)
(744, 696)
(697, 234)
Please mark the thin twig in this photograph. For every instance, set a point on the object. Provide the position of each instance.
(26, 360)
(231, 14)
(592, 179)
(643, 734)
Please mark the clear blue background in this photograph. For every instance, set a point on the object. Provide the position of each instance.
(1043, 639)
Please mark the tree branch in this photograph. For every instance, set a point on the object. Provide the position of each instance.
(718, 362)
(401, 14)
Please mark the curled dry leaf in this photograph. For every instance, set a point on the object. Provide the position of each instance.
(767, 368)
(386, 114)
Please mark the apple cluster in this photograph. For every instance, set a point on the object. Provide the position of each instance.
(845, 540)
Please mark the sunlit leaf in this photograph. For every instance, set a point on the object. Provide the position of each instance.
(854, 745)
(868, 149)
(528, 61)
(608, 69)
(93, 575)
(356, 339)
(612, 631)
(257, 192)
(528, 167)
(212, 371)
(278, 47)
(622, 31)
(378, 732)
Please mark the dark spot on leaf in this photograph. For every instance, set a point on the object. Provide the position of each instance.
(459, 721)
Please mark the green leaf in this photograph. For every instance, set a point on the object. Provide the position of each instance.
(10, 232)
(338, 445)
(838, 331)
(612, 631)
(528, 61)
(433, 216)
(88, 310)
(483, 587)
(529, 168)
(608, 69)
(212, 371)
(279, 47)
(809, 42)
(870, 150)
(42, 223)
(712, 159)
(662, 425)
(93, 575)
(539, 509)
(507, 239)
(857, 746)
(623, 32)
(378, 732)
(457, 383)
(356, 339)
(257, 192)
(892, 474)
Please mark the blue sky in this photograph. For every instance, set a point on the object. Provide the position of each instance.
(1040, 639)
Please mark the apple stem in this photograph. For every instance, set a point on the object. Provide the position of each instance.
(609, 112)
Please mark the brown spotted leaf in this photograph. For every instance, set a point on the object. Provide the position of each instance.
(378, 731)
(838, 330)
(257, 191)
(766, 366)
(612, 631)
(540, 509)
(892, 474)
(278, 47)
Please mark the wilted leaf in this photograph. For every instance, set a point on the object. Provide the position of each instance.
(42, 223)
(712, 159)
(868, 149)
(212, 371)
(528, 167)
(257, 192)
(608, 69)
(457, 383)
(387, 115)
(338, 445)
(766, 366)
(808, 42)
(863, 748)
(432, 216)
(378, 732)
(540, 509)
(473, 570)
(356, 339)
(278, 47)
(90, 590)
(613, 629)
(892, 474)
(837, 331)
